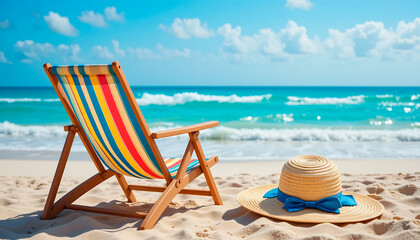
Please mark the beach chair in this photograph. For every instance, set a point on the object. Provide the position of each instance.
(105, 115)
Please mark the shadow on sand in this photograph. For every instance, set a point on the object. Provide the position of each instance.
(72, 223)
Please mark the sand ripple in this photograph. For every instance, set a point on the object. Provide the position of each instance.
(192, 217)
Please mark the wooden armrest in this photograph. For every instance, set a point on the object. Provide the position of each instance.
(182, 130)
(70, 128)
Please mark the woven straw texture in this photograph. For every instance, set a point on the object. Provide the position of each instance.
(253, 200)
(309, 178)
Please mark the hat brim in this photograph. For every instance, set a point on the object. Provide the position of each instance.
(253, 200)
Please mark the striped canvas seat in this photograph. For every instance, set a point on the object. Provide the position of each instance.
(173, 165)
(106, 116)
(101, 106)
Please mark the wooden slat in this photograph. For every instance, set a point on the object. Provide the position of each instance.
(70, 128)
(108, 211)
(58, 175)
(170, 192)
(78, 191)
(184, 162)
(201, 192)
(182, 130)
(124, 186)
(198, 171)
(205, 168)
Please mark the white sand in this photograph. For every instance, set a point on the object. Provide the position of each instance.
(395, 183)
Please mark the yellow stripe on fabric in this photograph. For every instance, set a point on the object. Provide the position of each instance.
(86, 120)
(111, 163)
(113, 128)
(170, 162)
(109, 160)
(67, 87)
(130, 129)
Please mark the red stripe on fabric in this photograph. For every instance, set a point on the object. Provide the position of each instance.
(175, 164)
(120, 125)
(179, 162)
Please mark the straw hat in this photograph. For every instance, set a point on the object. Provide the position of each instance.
(310, 191)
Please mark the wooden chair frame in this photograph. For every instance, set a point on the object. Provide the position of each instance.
(173, 187)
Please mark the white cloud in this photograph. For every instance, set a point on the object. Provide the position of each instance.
(102, 52)
(339, 44)
(301, 4)
(105, 53)
(28, 51)
(187, 28)
(112, 15)
(270, 43)
(160, 53)
(92, 18)
(372, 39)
(408, 35)
(369, 39)
(296, 39)
(363, 40)
(234, 41)
(117, 48)
(3, 58)
(98, 20)
(4, 24)
(69, 52)
(293, 39)
(60, 24)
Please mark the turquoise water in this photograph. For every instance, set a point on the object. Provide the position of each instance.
(256, 122)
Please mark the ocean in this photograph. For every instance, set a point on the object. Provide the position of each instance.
(255, 122)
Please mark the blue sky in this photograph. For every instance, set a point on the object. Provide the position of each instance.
(285, 43)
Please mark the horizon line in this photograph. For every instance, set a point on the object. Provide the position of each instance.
(209, 86)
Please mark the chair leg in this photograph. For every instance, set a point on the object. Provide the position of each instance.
(205, 167)
(77, 192)
(212, 186)
(160, 205)
(124, 185)
(58, 175)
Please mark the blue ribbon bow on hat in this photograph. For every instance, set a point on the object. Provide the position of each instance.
(328, 204)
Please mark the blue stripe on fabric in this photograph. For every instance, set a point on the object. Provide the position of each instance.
(55, 72)
(134, 121)
(87, 80)
(89, 114)
(190, 167)
(104, 124)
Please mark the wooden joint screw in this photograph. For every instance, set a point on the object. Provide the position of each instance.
(178, 183)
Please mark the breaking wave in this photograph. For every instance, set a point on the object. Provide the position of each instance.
(13, 100)
(247, 134)
(415, 97)
(16, 130)
(325, 101)
(182, 98)
(385, 96)
(312, 135)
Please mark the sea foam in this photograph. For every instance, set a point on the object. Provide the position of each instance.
(222, 133)
(312, 135)
(16, 130)
(415, 97)
(182, 98)
(325, 101)
(13, 100)
(385, 96)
